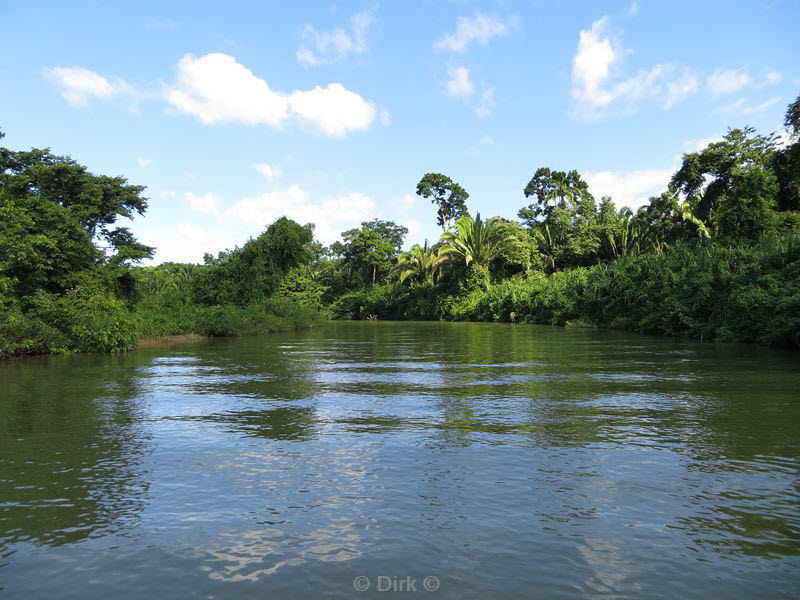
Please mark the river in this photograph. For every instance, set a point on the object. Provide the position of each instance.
(446, 460)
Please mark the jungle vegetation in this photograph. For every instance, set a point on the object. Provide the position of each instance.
(716, 256)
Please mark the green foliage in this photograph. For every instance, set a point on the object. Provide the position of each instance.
(715, 291)
(448, 195)
(370, 251)
(87, 318)
(91, 202)
(253, 273)
(479, 242)
(551, 190)
(420, 264)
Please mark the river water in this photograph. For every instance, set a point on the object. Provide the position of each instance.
(445, 460)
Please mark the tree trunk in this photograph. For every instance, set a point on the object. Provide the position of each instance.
(374, 271)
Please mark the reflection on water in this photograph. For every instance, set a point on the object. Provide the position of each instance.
(502, 459)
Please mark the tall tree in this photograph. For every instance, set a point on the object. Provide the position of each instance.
(371, 249)
(706, 177)
(552, 189)
(56, 219)
(448, 195)
(787, 161)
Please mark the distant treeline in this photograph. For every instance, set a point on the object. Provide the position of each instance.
(716, 256)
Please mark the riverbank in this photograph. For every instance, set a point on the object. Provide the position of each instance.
(747, 293)
(112, 327)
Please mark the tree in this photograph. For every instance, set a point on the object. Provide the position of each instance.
(93, 201)
(371, 249)
(420, 263)
(52, 213)
(552, 189)
(705, 178)
(478, 242)
(750, 208)
(787, 162)
(447, 195)
(252, 273)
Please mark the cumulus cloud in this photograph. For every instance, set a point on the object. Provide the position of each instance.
(481, 28)
(727, 81)
(459, 85)
(215, 88)
(336, 45)
(206, 204)
(330, 215)
(269, 171)
(629, 188)
(79, 85)
(597, 81)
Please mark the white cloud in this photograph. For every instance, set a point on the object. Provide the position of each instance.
(680, 89)
(629, 188)
(337, 44)
(79, 85)
(269, 171)
(481, 28)
(761, 107)
(407, 201)
(597, 82)
(634, 8)
(333, 110)
(728, 81)
(384, 117)
(741, 107)
(193, 232)
(486, 140)
(486, 104)
(215, 88)
(207, 203)
(330, 215)
(702, 143)
(144, 163)
(459, 85)
(413, 228)
(771, 78)
(186, 243)
(591, 64)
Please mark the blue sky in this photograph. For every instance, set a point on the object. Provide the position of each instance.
(233, 114)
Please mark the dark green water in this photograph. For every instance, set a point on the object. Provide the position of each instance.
(506, 461)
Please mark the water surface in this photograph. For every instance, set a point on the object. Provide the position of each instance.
(505, 461)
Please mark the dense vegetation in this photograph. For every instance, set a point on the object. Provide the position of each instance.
(67, 280)
(715, 256)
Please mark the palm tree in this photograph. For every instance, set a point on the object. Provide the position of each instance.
(478, 242)
(687, 214)
(547, 243)
(421, 262)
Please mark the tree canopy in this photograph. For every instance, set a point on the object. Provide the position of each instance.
(448, 195)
